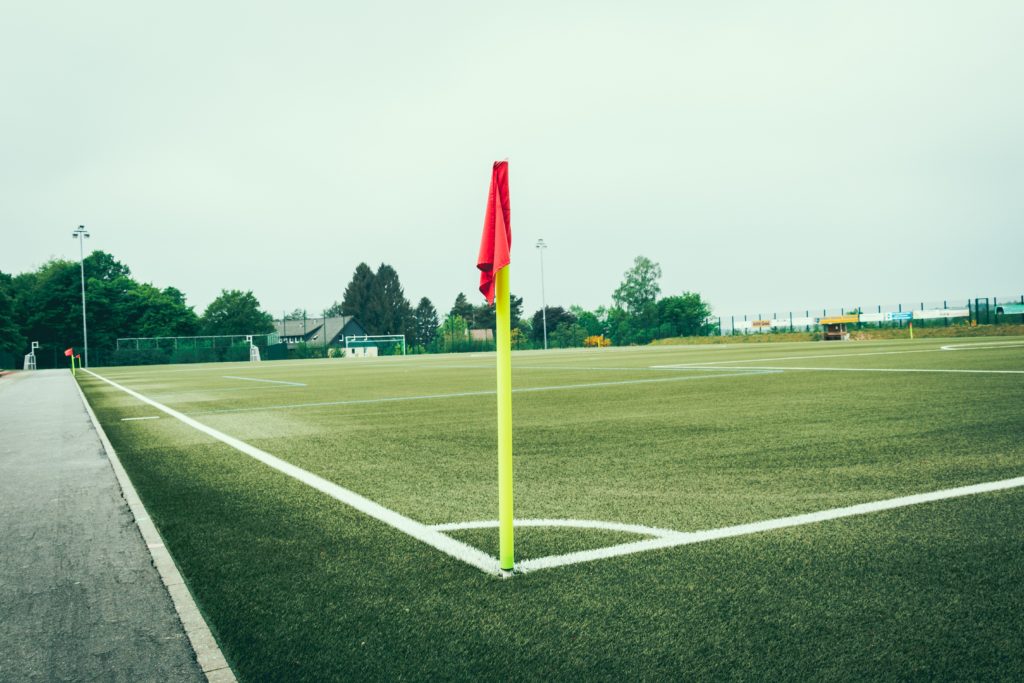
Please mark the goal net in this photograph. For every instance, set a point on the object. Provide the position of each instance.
(375, 345)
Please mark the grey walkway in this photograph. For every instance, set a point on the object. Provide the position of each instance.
(79, 597)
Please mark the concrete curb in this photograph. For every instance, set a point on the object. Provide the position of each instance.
(211, 660)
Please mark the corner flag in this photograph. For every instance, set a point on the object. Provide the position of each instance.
(493, 262)
(68, 352)
(496, 242)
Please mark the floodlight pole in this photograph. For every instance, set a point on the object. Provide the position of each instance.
(541, 246)
(81, 234)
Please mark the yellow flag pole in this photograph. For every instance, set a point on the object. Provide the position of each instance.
(911, 330)
(73, 364)
(504, 348)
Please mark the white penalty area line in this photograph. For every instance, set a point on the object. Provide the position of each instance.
(132, 419)
(421, 532)
(747, 372)
(268, 381)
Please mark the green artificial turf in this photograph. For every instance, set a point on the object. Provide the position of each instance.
(297, 586)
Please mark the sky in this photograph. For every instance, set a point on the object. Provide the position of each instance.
(768, 155)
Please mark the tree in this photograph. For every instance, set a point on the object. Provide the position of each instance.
(356, 299)
(235, 312)
(297, 314)
(453, 334)
(11, 339)
(387, 311)
(590, 321)
(567, 335)
(515, 308)
(684, 315)
(482, 317)
(462, 307)
(639, 287)
(155, 313)
(556, 315)
(424, 323)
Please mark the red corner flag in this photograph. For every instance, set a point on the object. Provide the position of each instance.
(496, 242)
(68, 352)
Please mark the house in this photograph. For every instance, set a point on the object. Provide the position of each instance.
(311, 330)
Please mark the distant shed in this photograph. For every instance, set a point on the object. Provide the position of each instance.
(834, 327)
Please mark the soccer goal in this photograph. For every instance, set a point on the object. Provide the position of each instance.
(254, 351)
(373, 344)
(30, 357)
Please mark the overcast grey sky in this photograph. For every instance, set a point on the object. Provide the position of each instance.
(767, 154)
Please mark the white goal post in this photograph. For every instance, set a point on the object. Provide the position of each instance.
(30, 357)
(254, 351)
(363, 340)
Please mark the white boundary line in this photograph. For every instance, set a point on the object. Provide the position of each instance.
(684, 366)
(688, 538)
(926, 370)
(208, 654)
(460, 551)
(981, 345)
(268, 381)
(133, 419)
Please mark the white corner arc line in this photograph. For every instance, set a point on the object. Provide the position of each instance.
(268, 381)
(421, 532)
(570, 523)
(687, 538)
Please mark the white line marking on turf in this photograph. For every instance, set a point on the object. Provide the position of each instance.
(268, 381)
(687, 538)
(982, 345)
(148, 417)
(421, 532)
(204, 646)
(665, 538)
(824, 369)
(462, 394)
(823, 355)
(572, 523)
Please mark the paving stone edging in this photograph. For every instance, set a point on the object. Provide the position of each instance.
(211, 660)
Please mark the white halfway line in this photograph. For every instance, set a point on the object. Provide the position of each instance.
(433, 537)
(421, 532)
(268, 381)
(148, 417)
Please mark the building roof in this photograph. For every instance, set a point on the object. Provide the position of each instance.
(314, 327)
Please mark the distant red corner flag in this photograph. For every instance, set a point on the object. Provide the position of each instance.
(496, 243)
(68, 352)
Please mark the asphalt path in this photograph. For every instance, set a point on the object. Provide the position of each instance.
(80, 599)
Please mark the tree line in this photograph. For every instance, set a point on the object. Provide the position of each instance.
(43, 305)
(637, 314)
